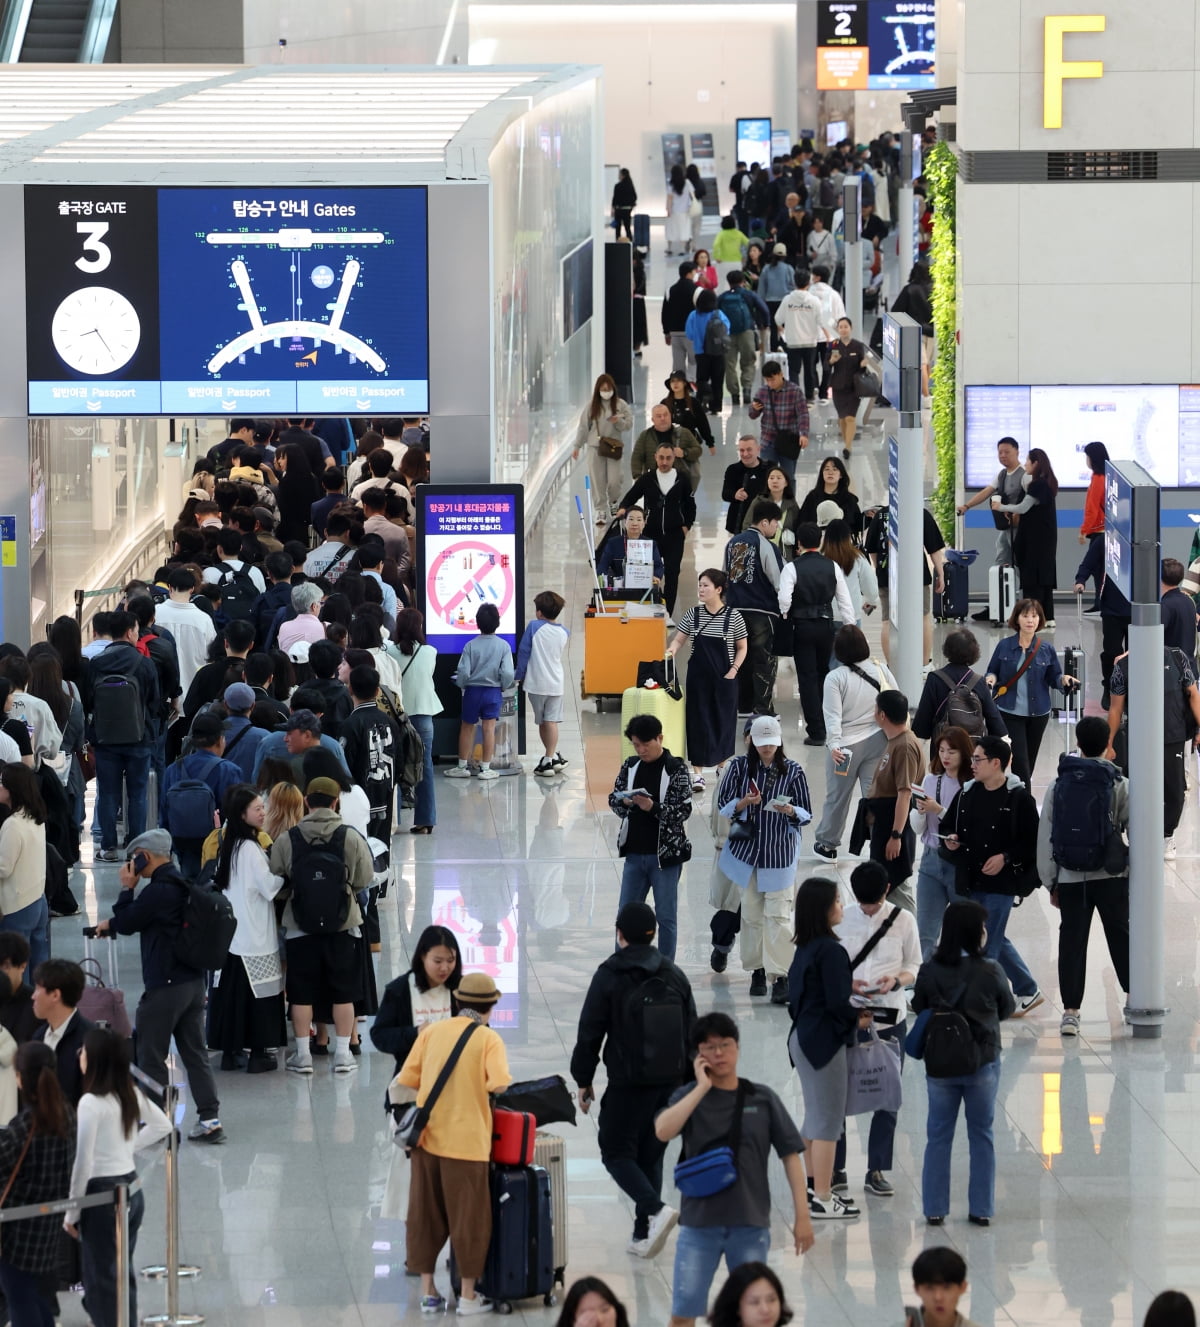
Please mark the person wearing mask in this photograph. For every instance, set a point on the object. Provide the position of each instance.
(641, 1077)
(652, 797)
(718, 636)
(246, 1005)
(959, 976)
(614, 551)
(992, 826)
(777, 490)
(1022, 672)
(114, 1122)
(1035, 543)
(744, 480)
(676, 310)
(687, 413)
(811, 589)
(976, 712)
(885, 954)
(37, 1152)
(765, 797)
(753, 569)
(680, 197)
(707, 328)
(421, 703)
(1009, 487)
(663, 430)
(949, 770)
(800, 317)
(784, 413)
(1091, 527)
(23, 860)
(297, 491)
(624, 200)
(846, 356)
(777, 281)
(839, 547)
(744, 311)
(818, 993)
(833, 310)
(666, 497)
(853, 739)
(605, 418)
(424, 994)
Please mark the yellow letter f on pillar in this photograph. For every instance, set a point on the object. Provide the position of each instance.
(1057, 69)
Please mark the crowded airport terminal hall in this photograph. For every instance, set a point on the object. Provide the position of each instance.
(603, 599)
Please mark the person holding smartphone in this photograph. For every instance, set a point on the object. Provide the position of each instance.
(172, 1003)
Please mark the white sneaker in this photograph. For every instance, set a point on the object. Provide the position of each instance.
(1069, 1027)
(345, 1063)
(489, 774)
(299, 1064)
(661, 1225)
(837, 1208)
(1170, 849)
(1028, 1003)
(470, 1308)
(458, 772)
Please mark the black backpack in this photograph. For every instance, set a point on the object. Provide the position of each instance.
(716, 335)
(118, 713)
(951, 1050)
(1082, 830)
(320, 882)
(652, 1016)
(203, 940)
(962, 707)
(239, 595)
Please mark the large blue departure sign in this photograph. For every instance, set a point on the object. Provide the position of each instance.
(280, 302)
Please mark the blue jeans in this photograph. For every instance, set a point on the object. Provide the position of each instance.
(1001, 949)
(425, 810)
(698, 1255)
(642, 874)
(28, 1304)
(768, 453)
(977, 1093)
(114, 763)
(882, 1133)
(98, 1252)
(935, 890)
(33, 922)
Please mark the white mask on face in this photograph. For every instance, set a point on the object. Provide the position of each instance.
(606, 396)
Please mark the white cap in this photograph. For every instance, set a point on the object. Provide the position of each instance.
(765, 731)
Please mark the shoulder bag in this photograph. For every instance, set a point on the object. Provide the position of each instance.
(787, 441)
(875, 939)
(1005, 687)
(715, 1169)
(410, 1121)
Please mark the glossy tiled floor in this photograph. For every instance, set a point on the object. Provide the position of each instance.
(297, 1219)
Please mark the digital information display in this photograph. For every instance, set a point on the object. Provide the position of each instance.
(876, 45)
(1157, 426)
(277, 302)
(470, 551)
(754, 141)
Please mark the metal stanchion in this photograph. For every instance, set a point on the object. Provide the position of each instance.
(121, 1213)
(171, 1271)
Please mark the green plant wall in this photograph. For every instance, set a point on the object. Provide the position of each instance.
(941, 175)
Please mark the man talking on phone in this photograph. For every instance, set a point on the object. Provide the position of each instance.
(172, 1004)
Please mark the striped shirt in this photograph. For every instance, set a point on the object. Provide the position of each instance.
(699, 621)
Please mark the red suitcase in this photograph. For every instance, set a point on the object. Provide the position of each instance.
(512, 1137)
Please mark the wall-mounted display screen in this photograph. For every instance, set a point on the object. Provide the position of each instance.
(309, 301)
(1157, 426)
(876, 45)
(577, 285)
(754, 141)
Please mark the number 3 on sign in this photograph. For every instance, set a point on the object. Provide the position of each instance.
(93, 232)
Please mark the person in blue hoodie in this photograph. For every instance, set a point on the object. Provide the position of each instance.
(711, 344)
(485, 672)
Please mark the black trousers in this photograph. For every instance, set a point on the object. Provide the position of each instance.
(812, 645)
(725, 926)
(756, 677)
(671, 548)
(623, 217)
(1076, 904)
(629, 1148)
(1174, 785)
(1114, 639)
(803, 358)
(710, 379)
(1026, 732)
(883, 817)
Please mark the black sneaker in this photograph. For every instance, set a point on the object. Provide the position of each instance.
(814, 741)
(779, 990)
(984, 615)
(735, 399)
(718, 960)
(877, 1183)
(758, 982)
(840, 1182)
(826, 850)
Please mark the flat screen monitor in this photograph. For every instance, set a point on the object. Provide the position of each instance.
(876, 45)
(577, 284)
(754, 141)
(1157, 426)
(835, 131)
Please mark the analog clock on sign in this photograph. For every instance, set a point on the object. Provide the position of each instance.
(96, 330)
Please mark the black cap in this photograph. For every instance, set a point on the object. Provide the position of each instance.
(637, 923)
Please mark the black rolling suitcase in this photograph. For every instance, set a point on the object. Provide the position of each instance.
(954, 602)
(520, 1257)
(1072, 659)
(641, 230)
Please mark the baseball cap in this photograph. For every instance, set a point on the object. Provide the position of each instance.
(780, 251)
(322, 788)
(304, 721)
(477, 988)
(828, 511)
(765, 731)
(239, 696)
(298, 651)
(264, 516)
(207, 730)
(637, 923)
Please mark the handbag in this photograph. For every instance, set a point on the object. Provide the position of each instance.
(695, 208)
(715, 1169)
(87, 762)
(866, 383)
(609, 448)
(742, 831)
(872, 1076)
(548, 1100)
(660, 673)
(787, 441)
(409, 1121)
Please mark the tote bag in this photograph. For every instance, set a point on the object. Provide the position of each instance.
(872, 1076)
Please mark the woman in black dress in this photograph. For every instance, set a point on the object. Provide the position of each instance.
(624, 200)
(686, 411)
(719, 646)
(833, 485)
(298, 490)
(1035, 544)
(845, 360)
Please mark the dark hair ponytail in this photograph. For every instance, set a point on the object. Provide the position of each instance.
(38, 1069)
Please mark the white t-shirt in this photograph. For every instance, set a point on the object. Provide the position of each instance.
(665, 482)
(544, 675)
